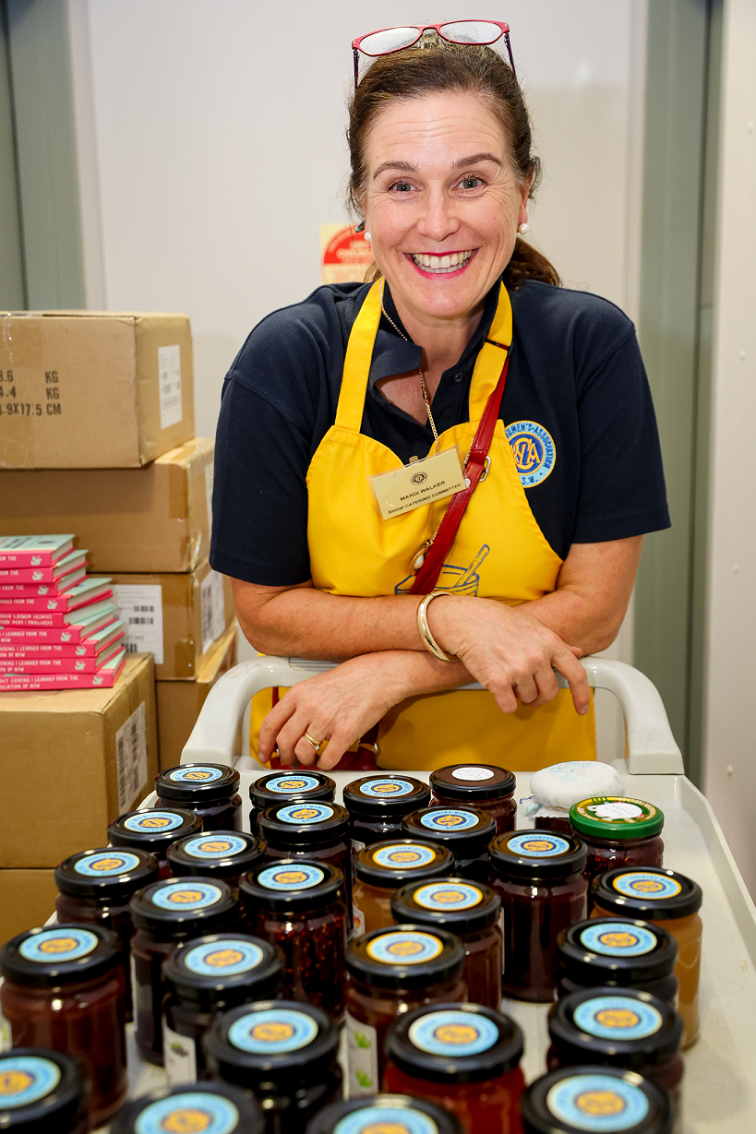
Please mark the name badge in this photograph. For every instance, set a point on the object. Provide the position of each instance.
(418, 483)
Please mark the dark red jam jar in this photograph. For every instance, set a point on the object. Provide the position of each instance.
(300, 906)
(396, 1114)
(618, 952)
(381, 869)
(209, 790)
(619, 831)
(465, 1058)
(316, 831)
(377, 805)
(471, 910)
(465, 831)
(285, 1052)
(64, 990)
(204, 978)
(539, 877)
(485, 786)
(391, 971)
(589, 1098)
(165, 914)
(41, 1092)
(153, 829)
(211, 1107)
(215, 854)
(287, 787)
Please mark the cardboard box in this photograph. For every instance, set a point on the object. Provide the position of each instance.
(179, 702)
(178, 618)
(27, 898)
(151, 519)
(93, 389)
(71, 762)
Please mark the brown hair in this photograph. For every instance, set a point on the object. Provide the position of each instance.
(476, 70)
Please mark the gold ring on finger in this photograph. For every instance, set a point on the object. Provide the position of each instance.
(316, 744)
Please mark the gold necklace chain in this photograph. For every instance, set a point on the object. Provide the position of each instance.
(423, 387)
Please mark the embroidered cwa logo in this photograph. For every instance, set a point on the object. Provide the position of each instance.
(533, 449)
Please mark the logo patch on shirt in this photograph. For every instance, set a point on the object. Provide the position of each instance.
(533, 449)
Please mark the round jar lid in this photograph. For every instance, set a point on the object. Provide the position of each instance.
(473, 781)
(277, 787)
(588, 1099)
(607, 950)
(385, 795)
(227, 963)
(653, 893)
(624, 1028)
(216, 854)
(463, 828)
(537, 855)
(292, 884)
(59, 954)
(41, 1091)
(616, 817)
(304, 823)
(392, 863)
(282, 1040)
(405, 956)
(197, 783)
(214, 1108)
(153, 828)
(106, 873)
(454, 1043)
(397, 1114)
(451, 903)
(187, 906)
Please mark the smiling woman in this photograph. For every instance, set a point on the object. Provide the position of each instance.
(461, 426)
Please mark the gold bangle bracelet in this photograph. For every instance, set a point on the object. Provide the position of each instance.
(424, 630)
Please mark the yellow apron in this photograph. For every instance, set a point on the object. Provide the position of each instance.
(499, 552)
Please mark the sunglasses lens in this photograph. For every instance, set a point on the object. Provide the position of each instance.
(384, 42)
(471, 31)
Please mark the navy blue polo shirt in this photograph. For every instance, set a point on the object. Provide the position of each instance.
(577, 410)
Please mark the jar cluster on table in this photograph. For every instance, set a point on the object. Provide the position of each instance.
(345, 968)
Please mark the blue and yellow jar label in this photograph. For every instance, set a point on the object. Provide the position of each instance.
(302, 814)
(646, 884)
(291, 785)
(618, 939)
(617, 1018)
(448, 896)
(67, 944)
(443, 819)
(154, 822)
(453, 1033)
(195, 774)
(192, 1112)
(533, 450)
(386, 788)
(273, 1031)
(215, 846)
(186, 895)
(404, 856)
(25, 1079)
(538, 845)
(225, 957)
(288, 878)
(106, 864)
(404, 947)
(597, 1103)
(383, 1118)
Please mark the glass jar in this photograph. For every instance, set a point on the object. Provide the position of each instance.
(590, 1098)
(300, 907)
(671, 901)
(209, 790)
(484, 786)
(556, 819)
(285, 1052)
(391, 971)
(286, 787)
(465, 1058)
(377, 805)
(41, 1092)
(381, 869)
(165, 914)
(539, 878)
(204, 978)
(465, 831)
(396, 1114)
(153, 829)
(318, 832)
(215, 854)
(617, 952)
(95, 886)
(212, 1107)
(64, 990)
(472, 911)
(618, 831)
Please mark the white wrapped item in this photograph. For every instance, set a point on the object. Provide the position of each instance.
(561, 785)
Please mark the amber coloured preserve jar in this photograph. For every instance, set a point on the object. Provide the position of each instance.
(484, 786)
(209, 790)
(617, 952)
(41, 1092)
(381, 869)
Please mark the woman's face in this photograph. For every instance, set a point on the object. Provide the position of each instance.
(441, 203)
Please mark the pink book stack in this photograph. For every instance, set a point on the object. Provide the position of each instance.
(59, 627)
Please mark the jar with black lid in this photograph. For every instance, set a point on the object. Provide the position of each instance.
(377, 805)
(471, 910)
(619, 831)
(285, 1052)
(204, 978)
(464, 1057)
(391, 971)
(398, 1114)
(209, 790)
(153, 829)
(300, 907)
(287, 787)
(316, 831)
(381, 869)
(617, 952)
(41, 1092)
(215, 854)
(211, 1107)
(465, 831)
(539, 877)
(63, 989)
(165, 914)
(582, 1100)
(485, 786)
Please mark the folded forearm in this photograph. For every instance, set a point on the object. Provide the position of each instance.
(577, 621)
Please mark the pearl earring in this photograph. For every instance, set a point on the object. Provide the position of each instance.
(367, 237)
(523, 228)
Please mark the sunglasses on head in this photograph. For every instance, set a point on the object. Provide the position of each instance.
(388, 40)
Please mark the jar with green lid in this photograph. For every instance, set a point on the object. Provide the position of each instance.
(210, 790)
(377, 804)
(671, 901)
(618, 952)
(395, 1114)
(41, 1092)
(288, 787)
(465, 831)
(381, 869)
(210, 1107)
(153, 829)
(471, 910)
(391, 971)
(464, 1057)
(590, 1098)
(485, 786)
(215, 854)
(618, 831)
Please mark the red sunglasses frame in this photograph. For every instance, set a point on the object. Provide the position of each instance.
(421, 29)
